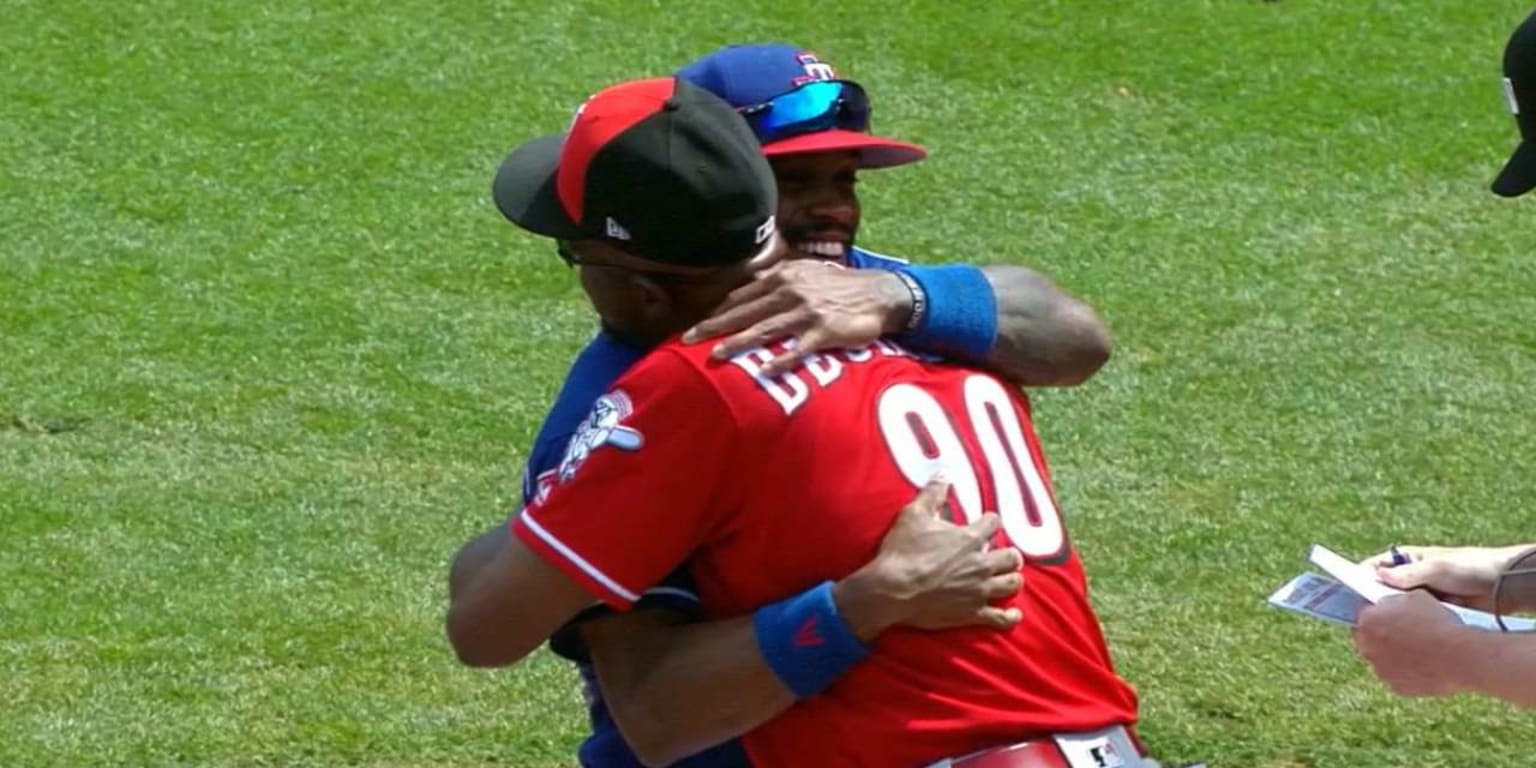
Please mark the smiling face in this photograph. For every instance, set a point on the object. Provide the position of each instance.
(818, 205)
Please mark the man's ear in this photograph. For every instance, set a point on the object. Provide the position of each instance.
(652, 299)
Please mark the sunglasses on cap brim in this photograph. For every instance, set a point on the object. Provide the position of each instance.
(820, 106)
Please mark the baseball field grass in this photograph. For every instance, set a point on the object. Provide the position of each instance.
(268, 354)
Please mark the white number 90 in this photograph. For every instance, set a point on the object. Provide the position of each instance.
(923, 441)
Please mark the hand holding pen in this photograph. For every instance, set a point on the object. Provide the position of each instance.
(1461, 575)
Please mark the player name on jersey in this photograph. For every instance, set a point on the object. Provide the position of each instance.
(793, 389)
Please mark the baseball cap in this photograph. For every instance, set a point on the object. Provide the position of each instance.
(749, 76)
(1519, 174)
(658, 168)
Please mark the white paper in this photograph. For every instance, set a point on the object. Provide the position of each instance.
(1319, 597)
(1351, 574)
(1353, 586)
(1483, 620)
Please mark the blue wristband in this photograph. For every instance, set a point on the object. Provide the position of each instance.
(805, 642)
(961, 317)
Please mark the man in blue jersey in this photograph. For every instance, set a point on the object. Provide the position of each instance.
(655, 672)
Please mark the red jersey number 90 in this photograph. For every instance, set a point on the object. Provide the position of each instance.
(923, 441)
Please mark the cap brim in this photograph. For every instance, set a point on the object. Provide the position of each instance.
(524, 189)
(1519, 174)
(874, 151)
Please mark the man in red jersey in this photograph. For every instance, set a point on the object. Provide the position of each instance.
(771, 485)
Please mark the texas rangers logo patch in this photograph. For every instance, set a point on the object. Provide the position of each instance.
(603, 426)
(815, 69)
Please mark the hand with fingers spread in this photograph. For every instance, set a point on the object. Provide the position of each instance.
(820, 305)
(1461, 575)
(932, 573)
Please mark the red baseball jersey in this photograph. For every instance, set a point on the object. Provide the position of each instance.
(768, 486)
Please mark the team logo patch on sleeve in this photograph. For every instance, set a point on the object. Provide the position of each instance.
(603, 426)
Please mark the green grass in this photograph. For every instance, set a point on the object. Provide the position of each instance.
(267, 353)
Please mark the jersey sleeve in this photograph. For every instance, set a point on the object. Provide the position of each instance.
(859, 258)
(636, 491)
(594, 372)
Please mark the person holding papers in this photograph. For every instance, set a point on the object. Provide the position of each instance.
(1413, 643)
(1418, 648)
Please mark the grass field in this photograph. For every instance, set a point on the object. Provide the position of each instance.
(268, 354)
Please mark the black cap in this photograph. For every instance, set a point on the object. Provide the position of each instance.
(1519, 174)
(659, 168)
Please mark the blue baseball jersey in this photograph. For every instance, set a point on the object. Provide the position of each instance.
(592, 374)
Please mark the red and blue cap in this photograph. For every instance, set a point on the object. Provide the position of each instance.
(657, 168)
(795, 103)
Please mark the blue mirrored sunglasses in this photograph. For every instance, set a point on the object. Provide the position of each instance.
(818, 106)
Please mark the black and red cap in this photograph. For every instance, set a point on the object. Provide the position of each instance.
(659, 168)
(1519, 174)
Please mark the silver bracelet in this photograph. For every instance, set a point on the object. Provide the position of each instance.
(1513, 569)
(919, 300)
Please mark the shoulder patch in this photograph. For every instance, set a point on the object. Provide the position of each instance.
(603, 426)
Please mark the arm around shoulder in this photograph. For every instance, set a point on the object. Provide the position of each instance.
(1044, 336)
(1009, 319)
(505, 600)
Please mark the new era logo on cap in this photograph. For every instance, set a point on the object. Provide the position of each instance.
(659, 168)
(616, 231)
